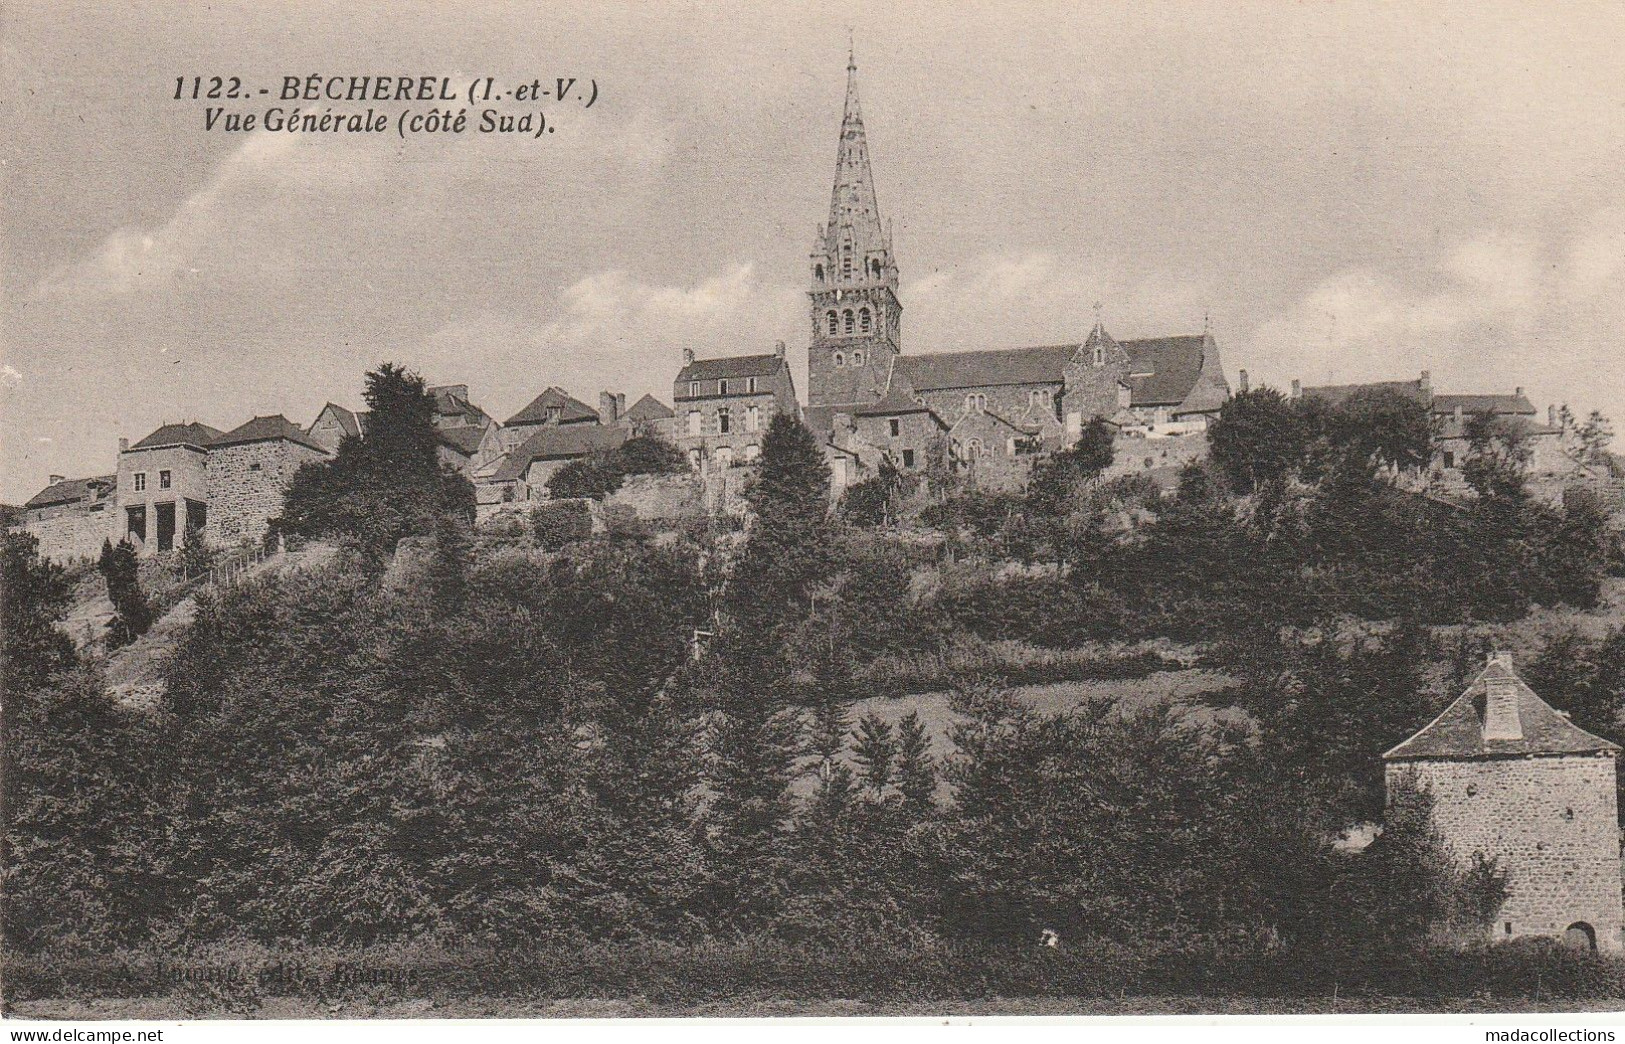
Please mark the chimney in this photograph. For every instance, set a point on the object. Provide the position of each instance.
(1243, 380)
(778, 349)
(57, 478)
(1297, 388)
(124, 445)
(688, 357)
(1501, 700)
(608, 412)
(620, 404)
(1458, 414)
(1517, 392)
(1426, 383)
(1551, 415)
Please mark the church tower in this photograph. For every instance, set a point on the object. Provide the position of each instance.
(856, 317)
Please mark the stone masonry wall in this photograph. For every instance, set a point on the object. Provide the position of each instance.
(660, 497)
(246, 484)
(73, 532)
(1552, 822)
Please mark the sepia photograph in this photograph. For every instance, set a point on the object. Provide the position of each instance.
(905, 511)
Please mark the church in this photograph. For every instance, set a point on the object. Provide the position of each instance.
(988, 412)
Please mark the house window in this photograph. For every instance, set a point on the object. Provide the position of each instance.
(750, 385)
(724, 422)
(694, 389)
(164, 479)
(833, 322)
(753, 452)
(863, 320)
(908, 458)
(722, 387)
(847, 321)
(725, 457)
(896, 426)
(693, 422)
(840, 360)
(1449, 459)
(857, 358)
(141, 482)
(753, 418)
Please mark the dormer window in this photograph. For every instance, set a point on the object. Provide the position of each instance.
(694, 389)
(722, 387)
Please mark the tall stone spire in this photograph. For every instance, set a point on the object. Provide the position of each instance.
(854, 240)
(856, 317)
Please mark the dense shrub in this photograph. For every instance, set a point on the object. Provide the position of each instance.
(558, 523)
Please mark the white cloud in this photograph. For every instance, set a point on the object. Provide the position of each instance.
(10, 377)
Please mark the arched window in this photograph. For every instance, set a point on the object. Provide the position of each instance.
(847, 320)
(857, 358)
(973, 448)
(975, 403)
(1040, 398)
(846, 263)
(830, 317)
(874, 266)
(863, 320)
(818, 273)
(840, 360)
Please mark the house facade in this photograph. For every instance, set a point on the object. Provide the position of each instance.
(70, 518)
(163, 487)
(723, 406)
(248, 470)
(1513, 780)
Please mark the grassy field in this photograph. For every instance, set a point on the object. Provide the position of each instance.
(636, 1007)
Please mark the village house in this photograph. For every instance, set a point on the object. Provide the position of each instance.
(724, 406)
(163, 486)
(70, 518)
(1513, 780)
(247, 471)
(334, 424)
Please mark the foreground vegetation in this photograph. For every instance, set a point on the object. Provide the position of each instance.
(616, 765)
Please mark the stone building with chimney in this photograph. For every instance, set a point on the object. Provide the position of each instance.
(248, 469)
(70, 518)
(163, 486)
(723, 406)
(1514, 780)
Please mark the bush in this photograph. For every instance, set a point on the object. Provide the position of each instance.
(559, 523)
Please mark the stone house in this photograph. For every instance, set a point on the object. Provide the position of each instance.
(724, 406)
(523, 473)
(452, 408)
(163, 486)
(555, 406)
(334, 424)
(650, 417)
(248, 470)
(72, 517)
(1513, 779)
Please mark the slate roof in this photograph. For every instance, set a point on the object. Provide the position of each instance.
(464, 440)
(571, 409)
(1162, 370)
(71, 491)
(649, 408)
(731, 366)
(1502, 404)
(450, 401)
(193, 434)
(556, 443)
(1459, 731)
(262, 429)
(895, 401)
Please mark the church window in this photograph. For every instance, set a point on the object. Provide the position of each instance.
(724, 421)
(874, 266)
(896, 426)
(722, 387)
(857, 358)
(818, 273)
(840, 360)
(846, 264)
(973, 448)
(975, 403)
(1041, 398)
(864, 321)
(1100, 356)
(753, 419)
(829, 317)
(693, 422)
(694, 389)
(847, 320)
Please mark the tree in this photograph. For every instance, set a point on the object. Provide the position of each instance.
(36, 594)
(1257, 438)
(1592, 440)
(593, 478)
(650, 455)
(132, 614)
(1056, 477)
(386, 485)
(1378, 427)
(1498, 455)
(872, 502)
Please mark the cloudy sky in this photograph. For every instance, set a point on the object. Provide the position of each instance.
(1351, 191)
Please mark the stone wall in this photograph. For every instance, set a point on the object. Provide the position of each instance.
(661, 497)
(1133, 456)
(246, 484)
(1552, 822)
(1010, 401)
(741, 441)
(71, 532)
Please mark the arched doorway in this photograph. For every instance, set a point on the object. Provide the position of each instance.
(1581, 936)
